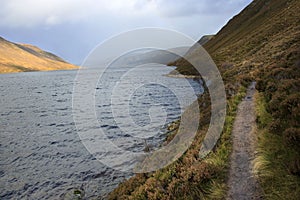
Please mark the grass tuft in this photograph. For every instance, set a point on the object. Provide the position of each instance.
(271, 164)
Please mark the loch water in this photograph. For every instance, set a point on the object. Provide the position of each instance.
(41, 153)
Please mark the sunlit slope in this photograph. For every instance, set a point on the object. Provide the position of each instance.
(24, 57)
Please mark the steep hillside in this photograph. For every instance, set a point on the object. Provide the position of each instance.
(260, 44)
(24, 57)
(263, 33)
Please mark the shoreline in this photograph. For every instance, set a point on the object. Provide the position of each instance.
(181, 76)
(51, 70)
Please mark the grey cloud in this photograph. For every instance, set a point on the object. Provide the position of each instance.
(72, 28)
(187, 8)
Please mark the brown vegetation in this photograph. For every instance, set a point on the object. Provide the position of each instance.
(190, 177)
(260, 44)
(25, 57)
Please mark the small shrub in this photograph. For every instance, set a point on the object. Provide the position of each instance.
(245, 79)
(260, 85)
(289, 106)
(294, 166)
(292, 136)
(276, 126)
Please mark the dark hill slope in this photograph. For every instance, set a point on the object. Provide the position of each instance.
(262, 34)
(262, 44)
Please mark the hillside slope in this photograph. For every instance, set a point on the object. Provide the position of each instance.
(263, 33)
(260, 44)
(24, 57)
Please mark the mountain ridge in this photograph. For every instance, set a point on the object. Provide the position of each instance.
(15, 57)
(262, 31)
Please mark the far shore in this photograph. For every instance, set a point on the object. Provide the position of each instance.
(181, 76)
(51, 70)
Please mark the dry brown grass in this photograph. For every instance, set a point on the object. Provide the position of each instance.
(21, 58)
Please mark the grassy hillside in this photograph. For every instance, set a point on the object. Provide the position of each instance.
(260, 44)
(25, 57)
(260, 35)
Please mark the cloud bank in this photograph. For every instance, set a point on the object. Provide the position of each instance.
(73, 27)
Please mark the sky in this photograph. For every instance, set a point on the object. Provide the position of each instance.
(72, 28)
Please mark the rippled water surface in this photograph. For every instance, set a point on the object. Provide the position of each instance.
(41, 154)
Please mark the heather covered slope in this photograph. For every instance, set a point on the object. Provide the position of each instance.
(263, 33)
(24, 57)
(260, 44)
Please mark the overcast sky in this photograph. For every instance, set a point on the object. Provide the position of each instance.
(72, 28)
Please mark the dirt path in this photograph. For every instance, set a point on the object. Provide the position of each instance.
(241, 183)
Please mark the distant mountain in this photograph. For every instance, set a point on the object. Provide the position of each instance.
(177, 62)
(158, 56)
(151, 56)
(204, 39)
(25, 57)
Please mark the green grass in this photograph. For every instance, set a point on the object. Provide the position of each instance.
(190, 177)
(220, 158)
(272, 160)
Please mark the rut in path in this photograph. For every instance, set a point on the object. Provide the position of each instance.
(241, 183)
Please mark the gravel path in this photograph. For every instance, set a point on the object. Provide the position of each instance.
(241, 183)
